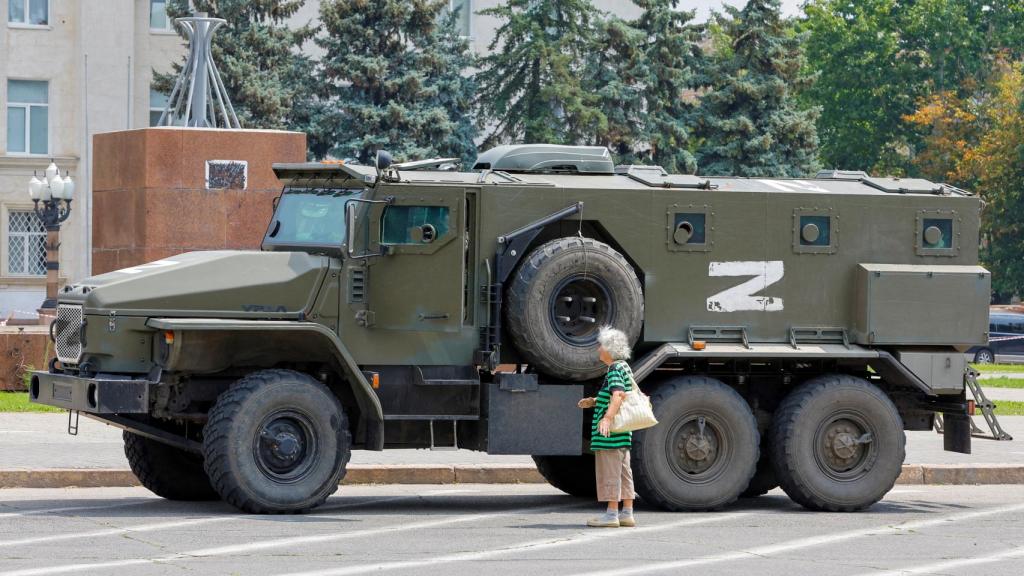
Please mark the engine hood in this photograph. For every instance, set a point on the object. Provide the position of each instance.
(228, 284)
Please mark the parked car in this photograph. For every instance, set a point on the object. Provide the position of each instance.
(1005, 338)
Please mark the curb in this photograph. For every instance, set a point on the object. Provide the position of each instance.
(934, 474)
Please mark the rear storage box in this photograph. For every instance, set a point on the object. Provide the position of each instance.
(921, 304)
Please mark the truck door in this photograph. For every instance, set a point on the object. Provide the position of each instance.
(418, 286)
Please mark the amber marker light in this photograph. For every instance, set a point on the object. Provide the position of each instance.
(971, 406)
(376, 381)
(169, 337)
(699, 345)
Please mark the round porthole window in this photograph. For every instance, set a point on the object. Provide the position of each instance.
(933, 235)
(684, 230)
(810, 233)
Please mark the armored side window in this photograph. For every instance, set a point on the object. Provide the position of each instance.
(689, 229)
(414, 224)
(815, 231)
(937, 233)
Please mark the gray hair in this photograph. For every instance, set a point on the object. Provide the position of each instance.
(615, 342)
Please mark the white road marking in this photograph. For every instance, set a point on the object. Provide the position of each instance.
(810, 542)
(116, 531)
(904, 491)
(939, 567)
(589, 536)
(249, 547)
(76, 508)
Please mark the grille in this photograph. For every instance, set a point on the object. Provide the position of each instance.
(67, 333)
(357, 286)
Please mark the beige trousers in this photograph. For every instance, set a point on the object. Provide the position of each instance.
(614, 476)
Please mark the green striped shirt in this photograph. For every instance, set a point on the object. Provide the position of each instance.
(619, 378)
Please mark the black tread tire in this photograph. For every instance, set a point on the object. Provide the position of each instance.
(167, 471)
(231, 429)
(764, 480)
(799, 416)
(574, 475)
(657, 483)
(530, 293)
(979, 360)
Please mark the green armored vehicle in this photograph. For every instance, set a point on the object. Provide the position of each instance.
(788, 331)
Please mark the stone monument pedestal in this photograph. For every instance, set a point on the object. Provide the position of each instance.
(162, 191)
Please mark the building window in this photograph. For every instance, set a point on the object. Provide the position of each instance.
(464, 9)
(157, 103)
(28, 117)
(28, 12)
(414, 224)
(26, 244)
(158, 19)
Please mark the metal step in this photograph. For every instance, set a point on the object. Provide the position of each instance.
(987, 411)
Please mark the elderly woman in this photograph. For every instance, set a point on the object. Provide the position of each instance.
(611, 450)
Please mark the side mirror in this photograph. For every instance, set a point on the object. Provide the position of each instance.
(384, 160)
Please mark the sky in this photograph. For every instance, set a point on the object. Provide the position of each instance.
(704, 7)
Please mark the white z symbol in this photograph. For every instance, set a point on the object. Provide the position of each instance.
(740, 298)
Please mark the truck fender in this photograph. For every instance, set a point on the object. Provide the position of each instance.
(369, 405)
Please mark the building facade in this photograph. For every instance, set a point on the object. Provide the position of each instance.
(73, 68)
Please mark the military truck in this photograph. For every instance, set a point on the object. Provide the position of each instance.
(788, 331)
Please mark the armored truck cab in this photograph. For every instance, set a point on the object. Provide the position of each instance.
(788, 331)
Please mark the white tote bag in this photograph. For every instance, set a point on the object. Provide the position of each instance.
(635, 412)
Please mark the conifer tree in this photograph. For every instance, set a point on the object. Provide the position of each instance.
(391, 78)
(259, 56)
(531, 85)
(750, 119)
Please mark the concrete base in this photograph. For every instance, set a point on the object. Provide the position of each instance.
(153, 196)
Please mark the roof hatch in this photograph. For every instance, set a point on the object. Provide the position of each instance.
(657, 177)
(547, 158)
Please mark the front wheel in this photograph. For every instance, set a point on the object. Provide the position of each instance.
(168, 472)
(837, 443)
(704, 451)
(574, 475)
(277, 442)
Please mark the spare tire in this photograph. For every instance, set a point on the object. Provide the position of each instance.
(561, 295)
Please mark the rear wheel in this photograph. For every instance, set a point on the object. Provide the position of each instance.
(764, 480)
(704, 451)
(574, 475)
(167, 471)
(561, 295)
(277, 442)
(837, 443)
(984, 356)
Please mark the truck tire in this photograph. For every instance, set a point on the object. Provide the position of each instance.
(677, 465)
(561, 295)
(166, 471)
(764, 480)
(574, 475)
(821, 449)
(984, 356)
(277, 442)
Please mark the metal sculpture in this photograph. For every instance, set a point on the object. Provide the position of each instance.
(199, 97)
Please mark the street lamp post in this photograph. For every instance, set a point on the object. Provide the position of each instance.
(52, 200)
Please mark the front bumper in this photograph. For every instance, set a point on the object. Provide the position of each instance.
(100, 394)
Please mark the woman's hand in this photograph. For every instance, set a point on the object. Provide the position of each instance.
(604, 427)
(587, 403)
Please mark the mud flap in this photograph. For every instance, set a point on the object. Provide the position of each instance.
(956, 433)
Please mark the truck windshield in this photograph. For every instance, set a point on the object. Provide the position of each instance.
(313, 217)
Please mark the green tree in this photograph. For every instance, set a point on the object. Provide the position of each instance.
(751, 120)
(645, 74)
(877, 60)
(259, 56)
(391, 78)
(531, 86)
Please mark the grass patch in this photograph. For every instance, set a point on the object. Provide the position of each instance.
(18, 402)
(1001, 382)
(1008, 408)
(998, 368)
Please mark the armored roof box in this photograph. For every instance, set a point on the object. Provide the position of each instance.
(547, 158)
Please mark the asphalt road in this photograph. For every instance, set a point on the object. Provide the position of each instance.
(507, 530)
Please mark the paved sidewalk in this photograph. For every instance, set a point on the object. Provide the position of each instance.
(40, 441)
(993, 393)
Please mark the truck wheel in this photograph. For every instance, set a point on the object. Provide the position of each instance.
(276, 442)
(167, 471)
(561, 295)
(574, 475)
(704, 451)
(837, 443)
(764, 480)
